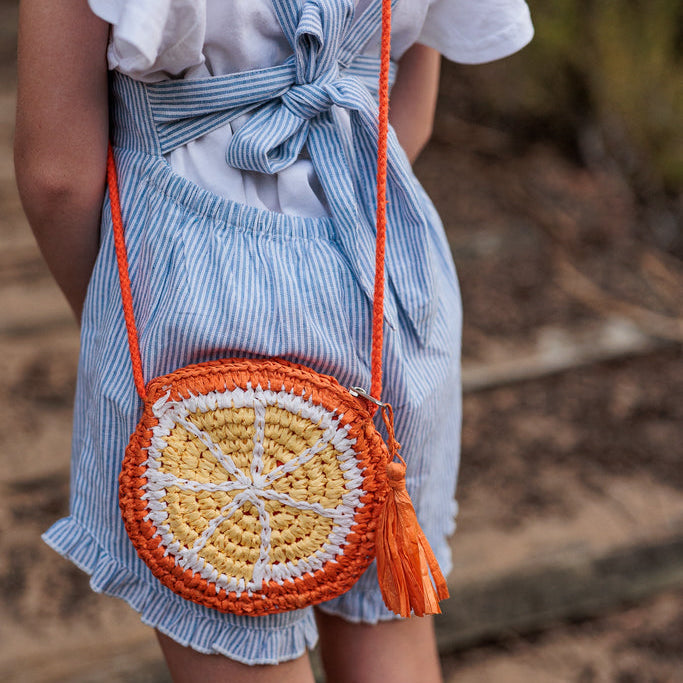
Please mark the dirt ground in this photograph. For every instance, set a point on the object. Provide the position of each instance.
(640, 644)
(546, 250)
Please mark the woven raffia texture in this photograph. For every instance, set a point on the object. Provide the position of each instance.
(253, 487)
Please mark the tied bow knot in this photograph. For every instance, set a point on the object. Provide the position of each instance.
(274, 136)
(308, 100)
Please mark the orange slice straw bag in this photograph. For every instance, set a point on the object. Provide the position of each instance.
(255, 486)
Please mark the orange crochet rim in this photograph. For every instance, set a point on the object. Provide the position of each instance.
(280, 381)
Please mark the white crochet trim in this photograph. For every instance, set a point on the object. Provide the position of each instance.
(254, 486)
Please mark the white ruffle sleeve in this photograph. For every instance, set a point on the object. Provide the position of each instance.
(152, 40)
(476, 31)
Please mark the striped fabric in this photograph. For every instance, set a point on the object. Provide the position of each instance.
(213, 278)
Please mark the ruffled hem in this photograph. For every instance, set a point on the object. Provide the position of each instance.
(363, 604)
(360, 607)
(249, 640)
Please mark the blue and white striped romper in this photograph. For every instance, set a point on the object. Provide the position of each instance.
(213, 278)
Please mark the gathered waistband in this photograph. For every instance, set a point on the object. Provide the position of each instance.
(158, 176)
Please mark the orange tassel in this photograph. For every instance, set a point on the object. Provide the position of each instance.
(404, 558)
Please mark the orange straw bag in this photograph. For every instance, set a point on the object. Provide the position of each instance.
(260, 486)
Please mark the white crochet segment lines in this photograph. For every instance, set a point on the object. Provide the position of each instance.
(250, 487)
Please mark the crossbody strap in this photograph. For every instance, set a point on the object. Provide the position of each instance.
(381, 219)
(124, 274)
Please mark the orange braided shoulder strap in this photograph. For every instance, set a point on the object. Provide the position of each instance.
(212, 480)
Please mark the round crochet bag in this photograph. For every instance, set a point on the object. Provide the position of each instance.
(259, 486)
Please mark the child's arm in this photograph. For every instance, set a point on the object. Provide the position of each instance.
(60, 143)
(413, 98)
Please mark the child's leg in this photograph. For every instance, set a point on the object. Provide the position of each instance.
(398, 651)
(189, 666)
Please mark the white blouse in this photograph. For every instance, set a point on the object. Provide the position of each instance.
(154, 40)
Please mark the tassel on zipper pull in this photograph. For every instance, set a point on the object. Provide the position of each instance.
(404, 557)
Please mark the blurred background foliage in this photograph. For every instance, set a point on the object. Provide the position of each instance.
(603, 81)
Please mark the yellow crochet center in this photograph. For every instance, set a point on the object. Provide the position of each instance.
(296, 534)
(186, 457)
(235, 545)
